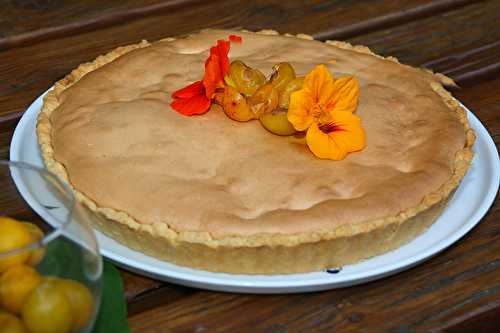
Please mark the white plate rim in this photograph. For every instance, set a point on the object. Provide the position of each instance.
(278, 283)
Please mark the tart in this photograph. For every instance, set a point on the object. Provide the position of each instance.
(211, 193)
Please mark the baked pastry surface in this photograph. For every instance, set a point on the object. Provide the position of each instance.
(211, 193)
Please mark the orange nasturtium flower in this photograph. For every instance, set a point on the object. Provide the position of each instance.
(324, 107)
(196, 98)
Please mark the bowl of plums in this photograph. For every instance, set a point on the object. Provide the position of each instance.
(50, 266)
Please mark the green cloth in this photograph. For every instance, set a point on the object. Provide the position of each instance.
(112, 315)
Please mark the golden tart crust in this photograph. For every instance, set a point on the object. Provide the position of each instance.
(179, 197)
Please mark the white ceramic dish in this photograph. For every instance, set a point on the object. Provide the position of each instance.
(469, 204)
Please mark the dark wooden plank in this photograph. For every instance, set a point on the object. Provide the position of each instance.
(481, 320)
(440, 43)
(484, 101)
(7, 123)
(467, 65)
(143, 293)
(23, 17)
(27, 22)
(136, 284)
(392, 19)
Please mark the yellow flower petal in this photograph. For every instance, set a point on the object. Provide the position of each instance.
(323, 146)
(346, 135)
(319, 83)
(345, 94)
(348, 129)
(300, 110)
(324, 107)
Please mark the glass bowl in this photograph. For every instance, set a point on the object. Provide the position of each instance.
(50, 266)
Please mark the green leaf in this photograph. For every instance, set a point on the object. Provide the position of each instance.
(112, 315)
(63, 258)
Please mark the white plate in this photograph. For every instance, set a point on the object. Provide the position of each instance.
(471, 201)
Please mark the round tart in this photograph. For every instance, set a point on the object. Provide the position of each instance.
(211, 193)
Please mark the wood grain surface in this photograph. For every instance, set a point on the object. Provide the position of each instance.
(27, 22)
(457, 291)
(439, 42)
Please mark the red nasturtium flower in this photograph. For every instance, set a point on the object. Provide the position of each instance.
(196, 98)
(235, 38)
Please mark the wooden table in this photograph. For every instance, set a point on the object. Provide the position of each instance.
(457, 291)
